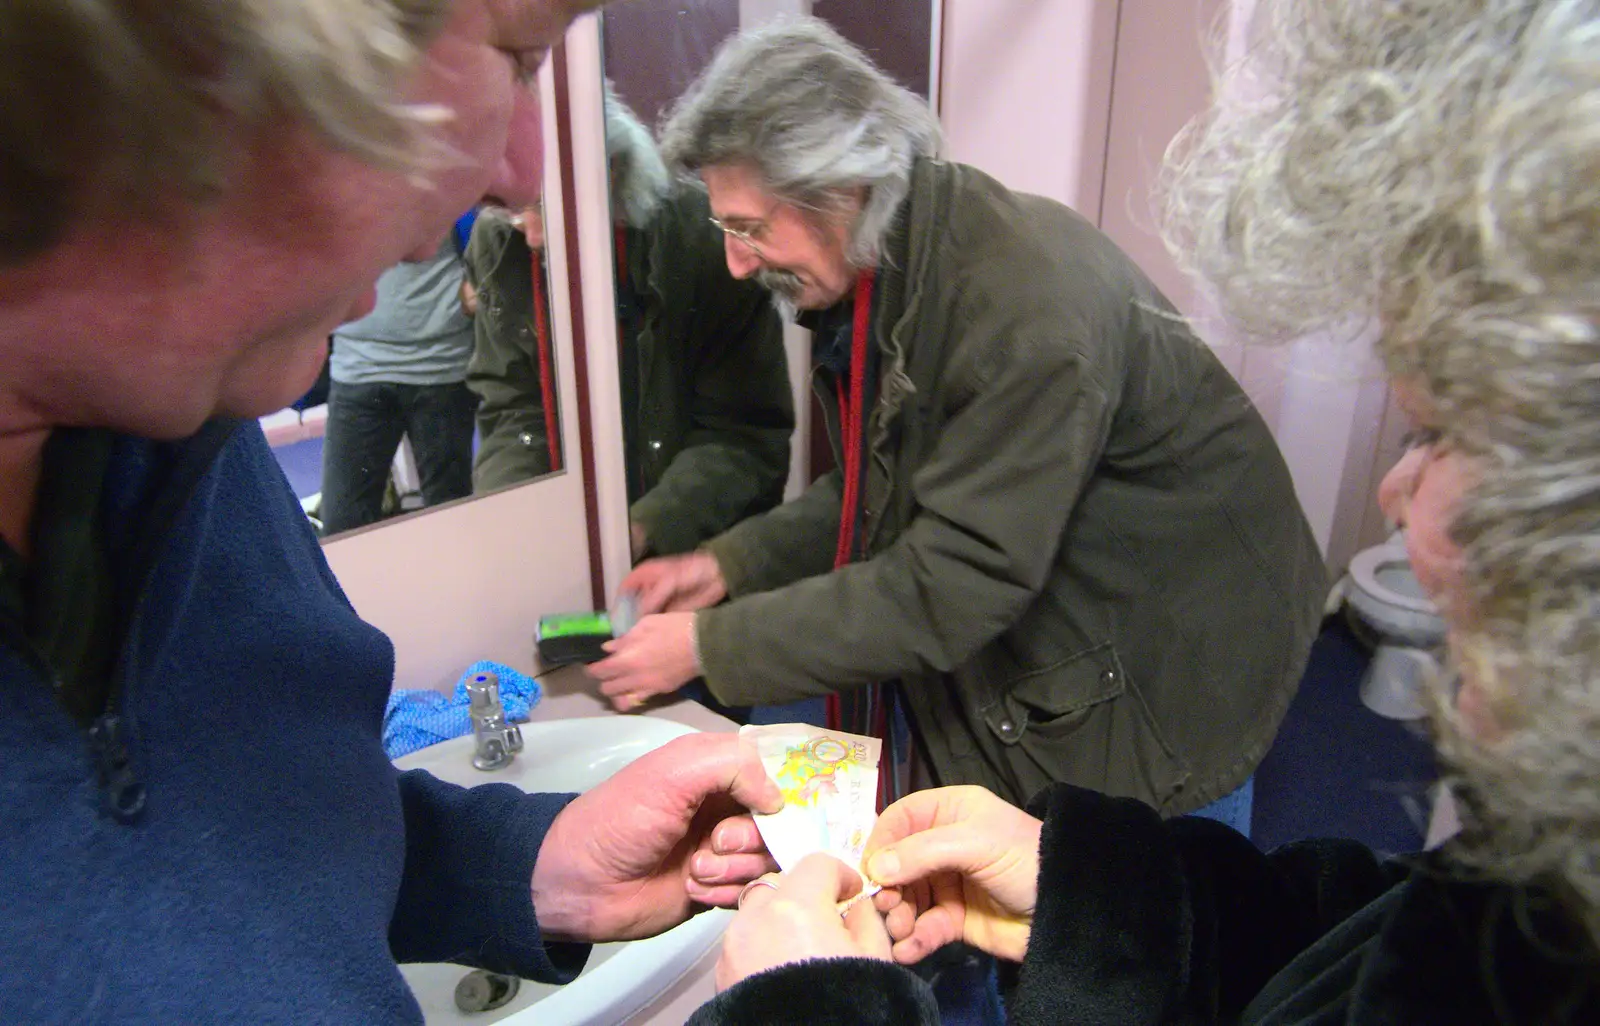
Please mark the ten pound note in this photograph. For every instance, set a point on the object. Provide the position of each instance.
(829, 781)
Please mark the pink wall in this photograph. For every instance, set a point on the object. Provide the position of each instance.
(1078, 100)
(469, 580)
(1159, 83)
(1024, 92)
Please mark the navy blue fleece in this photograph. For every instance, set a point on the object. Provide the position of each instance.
(281, 866)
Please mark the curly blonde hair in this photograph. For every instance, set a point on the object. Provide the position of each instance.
(115, 101)
(1436, 164)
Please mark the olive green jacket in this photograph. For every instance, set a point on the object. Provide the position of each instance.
(1085, 560)
(709, 387)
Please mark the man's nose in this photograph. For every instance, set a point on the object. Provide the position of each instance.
(742, 263)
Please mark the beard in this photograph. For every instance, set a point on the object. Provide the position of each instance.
(786, 288)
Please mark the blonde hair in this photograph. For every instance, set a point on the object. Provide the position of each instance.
(1436, 164)
(115, 101)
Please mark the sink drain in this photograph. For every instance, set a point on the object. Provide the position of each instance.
(483, 991)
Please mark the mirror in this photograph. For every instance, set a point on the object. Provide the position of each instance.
(708, 397)
(445, 390)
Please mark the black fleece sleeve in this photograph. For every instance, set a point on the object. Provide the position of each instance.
(1144, 921)
(824, 992)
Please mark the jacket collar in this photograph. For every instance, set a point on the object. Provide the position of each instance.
(903, 278)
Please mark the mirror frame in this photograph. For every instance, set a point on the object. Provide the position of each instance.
(581, 124)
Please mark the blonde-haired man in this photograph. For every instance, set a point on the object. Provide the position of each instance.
(198, 820)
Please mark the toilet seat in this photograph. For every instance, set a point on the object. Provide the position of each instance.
(1384, 592)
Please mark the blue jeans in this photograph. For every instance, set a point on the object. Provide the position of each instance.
(365, 423)
(1234, 808)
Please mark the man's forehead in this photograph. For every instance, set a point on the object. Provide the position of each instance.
(736, 193)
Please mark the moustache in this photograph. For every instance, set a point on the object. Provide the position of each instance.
(784, 284)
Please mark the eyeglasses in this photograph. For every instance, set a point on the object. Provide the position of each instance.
(752, 237)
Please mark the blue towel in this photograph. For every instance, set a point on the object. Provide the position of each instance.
(417, 719)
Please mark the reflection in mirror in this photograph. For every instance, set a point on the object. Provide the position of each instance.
(513, 364)
(707, 406)
(454, 353)
(707, 395)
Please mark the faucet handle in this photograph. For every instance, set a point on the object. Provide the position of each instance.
(483, 694)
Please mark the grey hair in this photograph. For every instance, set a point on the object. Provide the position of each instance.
(812, 115)
(111, 101)
(639, 177)
(1436, 163)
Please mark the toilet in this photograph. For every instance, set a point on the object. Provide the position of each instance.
(1383, 592)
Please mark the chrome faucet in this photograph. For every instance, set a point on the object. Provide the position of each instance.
(496, 741)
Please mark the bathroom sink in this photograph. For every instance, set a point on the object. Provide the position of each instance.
(620, 979)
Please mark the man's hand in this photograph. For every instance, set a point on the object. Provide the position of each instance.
(797, 918)
(677, 584)
(646, 849)
(964, 865)
(655, 658)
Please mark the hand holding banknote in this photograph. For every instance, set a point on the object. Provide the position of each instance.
(964, 865)
(796, 917)
(647, 848)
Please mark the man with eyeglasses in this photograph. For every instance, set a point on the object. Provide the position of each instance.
(1061, 544)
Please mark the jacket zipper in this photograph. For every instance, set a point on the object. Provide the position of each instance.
(122, 792)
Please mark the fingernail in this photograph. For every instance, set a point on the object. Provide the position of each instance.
(719, 841)
(707, 866)
(884, 866)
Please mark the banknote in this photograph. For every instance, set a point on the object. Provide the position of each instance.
(829, 781)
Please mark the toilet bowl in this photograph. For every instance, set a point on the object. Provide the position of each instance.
(1381, 589)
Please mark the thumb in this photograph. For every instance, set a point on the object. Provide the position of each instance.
(866, 927)
(955, 848)
(823, 880)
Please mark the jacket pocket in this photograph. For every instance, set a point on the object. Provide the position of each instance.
(1080, 720)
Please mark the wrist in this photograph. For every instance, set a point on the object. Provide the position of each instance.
(562, 908)
(695, 662)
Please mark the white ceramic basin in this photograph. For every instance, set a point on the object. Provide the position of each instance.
(619, 979)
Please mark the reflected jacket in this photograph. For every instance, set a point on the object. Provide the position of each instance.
(1084, 560)
(1141, 922)
(706, 387)
(243, 851)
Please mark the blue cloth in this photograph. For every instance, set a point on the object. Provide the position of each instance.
(417, 719)
(1234, 808)
(281, 865)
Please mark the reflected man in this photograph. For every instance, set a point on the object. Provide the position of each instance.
(707, 406)
(398, 372)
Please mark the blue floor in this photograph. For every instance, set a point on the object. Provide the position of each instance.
(1338, 769)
